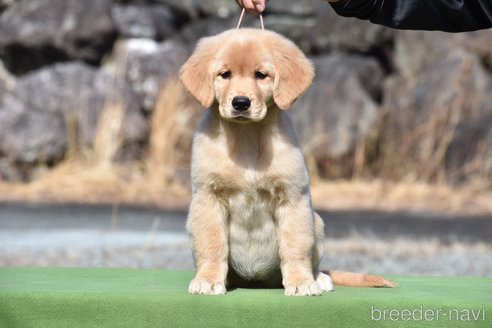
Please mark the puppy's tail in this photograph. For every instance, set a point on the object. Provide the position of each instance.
(350, 279)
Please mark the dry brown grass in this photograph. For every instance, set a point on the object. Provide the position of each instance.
(93, 175)
(420, 138)
(79, 183)
(171, 127)
(402, 196)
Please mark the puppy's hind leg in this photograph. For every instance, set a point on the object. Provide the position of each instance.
(323, 280)
(327, 279)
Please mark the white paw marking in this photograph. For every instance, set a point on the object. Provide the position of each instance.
(204, 287)
(324, 282)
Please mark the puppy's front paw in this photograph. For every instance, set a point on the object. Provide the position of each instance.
(204, 287)
(309, 288)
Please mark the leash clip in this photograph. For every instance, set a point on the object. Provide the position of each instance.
(242, 16)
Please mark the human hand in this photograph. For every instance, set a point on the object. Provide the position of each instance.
(254, 7)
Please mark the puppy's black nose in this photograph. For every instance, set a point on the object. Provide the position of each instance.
(241, 103)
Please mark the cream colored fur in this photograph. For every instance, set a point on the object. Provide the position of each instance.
(251, 219)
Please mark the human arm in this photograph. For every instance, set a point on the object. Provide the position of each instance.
(443, 15)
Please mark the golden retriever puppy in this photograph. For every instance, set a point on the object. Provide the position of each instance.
(251, 219)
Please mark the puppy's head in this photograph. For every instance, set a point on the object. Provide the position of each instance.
(245, 72)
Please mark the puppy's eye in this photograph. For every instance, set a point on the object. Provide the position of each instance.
(225, 75)
(260, 75)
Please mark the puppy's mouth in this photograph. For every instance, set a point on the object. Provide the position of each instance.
(241, 118)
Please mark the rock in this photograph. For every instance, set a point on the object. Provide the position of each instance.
(416, 50)
(293, 7)
(214, 8)
(440, 115)
(37, 33)
(146, 65)
(143, 21)
(294, 19)
(35, 112)
(192, 32)
(339, 108)
(479, 42)
(293, 27)
(434, 121)
(333, 32)
(5, 3)
(219, 8)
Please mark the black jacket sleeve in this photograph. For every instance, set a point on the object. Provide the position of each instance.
(443, 15)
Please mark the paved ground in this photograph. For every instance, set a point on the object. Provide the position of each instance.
(98, 236)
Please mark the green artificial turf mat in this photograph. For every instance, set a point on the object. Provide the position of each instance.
(73, 297)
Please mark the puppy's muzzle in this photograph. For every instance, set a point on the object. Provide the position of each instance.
(241, 103)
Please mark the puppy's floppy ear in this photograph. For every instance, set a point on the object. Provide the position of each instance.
(294, 73)
(196, 74)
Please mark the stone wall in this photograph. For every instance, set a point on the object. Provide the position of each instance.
(385, 103)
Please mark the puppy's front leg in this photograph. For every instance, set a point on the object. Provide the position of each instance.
(208, 230)
(296, 241)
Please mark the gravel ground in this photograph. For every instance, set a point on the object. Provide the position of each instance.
(171, 251)
(384, 243)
